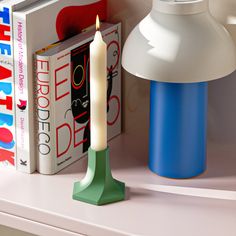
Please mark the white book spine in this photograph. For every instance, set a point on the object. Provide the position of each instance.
(25, 141)
(7, 110)
(44, 117)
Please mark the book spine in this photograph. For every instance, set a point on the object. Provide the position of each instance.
(7, 110)
(43, 93)
(25, 134)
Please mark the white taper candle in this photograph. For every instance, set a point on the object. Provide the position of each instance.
(98, 91)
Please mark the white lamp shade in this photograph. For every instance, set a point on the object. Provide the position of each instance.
(179, 42)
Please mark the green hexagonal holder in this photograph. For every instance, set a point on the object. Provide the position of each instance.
(99, 187)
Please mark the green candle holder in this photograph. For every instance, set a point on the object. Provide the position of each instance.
(99, 187)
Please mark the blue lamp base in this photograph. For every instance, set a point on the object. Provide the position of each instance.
(178, 129)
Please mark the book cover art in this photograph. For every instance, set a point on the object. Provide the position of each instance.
(67, 136)
(35, 26)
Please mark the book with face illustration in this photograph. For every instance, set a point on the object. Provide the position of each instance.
(63, 97)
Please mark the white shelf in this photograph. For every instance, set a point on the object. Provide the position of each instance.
(43, 205)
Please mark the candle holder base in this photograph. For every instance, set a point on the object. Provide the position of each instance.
(99, 187)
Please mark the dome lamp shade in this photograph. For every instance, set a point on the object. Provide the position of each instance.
(179, 42)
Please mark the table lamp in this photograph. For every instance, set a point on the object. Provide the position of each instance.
(179, 47)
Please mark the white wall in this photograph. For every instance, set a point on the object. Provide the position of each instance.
(222, 93)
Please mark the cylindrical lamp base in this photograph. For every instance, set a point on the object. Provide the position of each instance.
(178, 129)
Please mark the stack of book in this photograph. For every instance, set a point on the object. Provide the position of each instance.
(44, 81)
